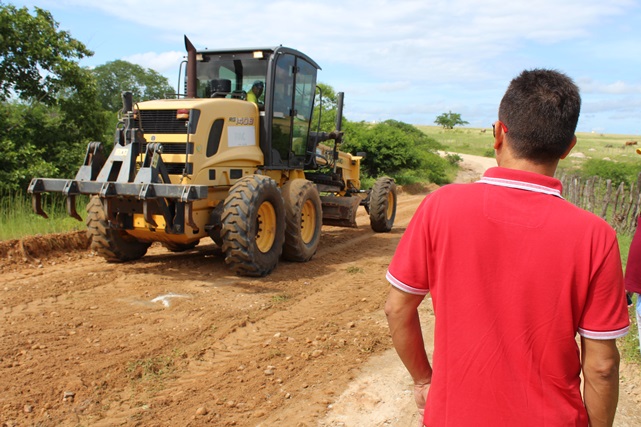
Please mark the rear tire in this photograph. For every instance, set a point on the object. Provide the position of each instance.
(304, 218)
(113, 245)
(382, 204)
(253, 226)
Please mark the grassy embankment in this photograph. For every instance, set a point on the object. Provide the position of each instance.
(18, 220)
(589, 145)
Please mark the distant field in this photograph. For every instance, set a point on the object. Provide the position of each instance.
(589, 145)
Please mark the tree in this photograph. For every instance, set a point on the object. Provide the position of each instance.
(449, 120)
(36, 60)
(48, 103)
(118, 76)
(325, 105)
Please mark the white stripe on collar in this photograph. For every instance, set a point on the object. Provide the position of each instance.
(501, 182)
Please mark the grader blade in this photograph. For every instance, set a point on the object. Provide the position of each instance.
(340, 211)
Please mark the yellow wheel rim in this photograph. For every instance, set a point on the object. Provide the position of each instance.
(308, 222)
(390, 205)
(266, 233)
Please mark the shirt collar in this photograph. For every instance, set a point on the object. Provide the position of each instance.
(530, 181)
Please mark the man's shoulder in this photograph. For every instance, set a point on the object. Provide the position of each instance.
(455, 191)
(586, 218)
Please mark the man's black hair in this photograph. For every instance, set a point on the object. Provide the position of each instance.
(540, 110)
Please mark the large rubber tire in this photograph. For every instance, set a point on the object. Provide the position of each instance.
(382, 204)
(303, 219)
(180, 247)
(113, 245)
(253, 226)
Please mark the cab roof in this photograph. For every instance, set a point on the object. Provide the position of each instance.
(271, 50)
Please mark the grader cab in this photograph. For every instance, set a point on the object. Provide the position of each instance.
(226, 161)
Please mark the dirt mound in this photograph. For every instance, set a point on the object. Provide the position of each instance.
(418, 188)
(33, 248)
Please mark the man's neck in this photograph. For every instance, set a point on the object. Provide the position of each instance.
(526, 165)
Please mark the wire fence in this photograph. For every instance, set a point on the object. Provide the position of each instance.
(618, 205)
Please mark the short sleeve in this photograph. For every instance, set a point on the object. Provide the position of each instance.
(606, 315)
(409, 266)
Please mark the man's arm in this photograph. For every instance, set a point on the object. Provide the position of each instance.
(600, 360)
(405, 328)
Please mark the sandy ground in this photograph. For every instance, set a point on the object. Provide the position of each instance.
(176, 340)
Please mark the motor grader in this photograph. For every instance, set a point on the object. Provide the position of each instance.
(253, 176)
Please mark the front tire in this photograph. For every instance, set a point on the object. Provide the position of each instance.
(113, 245)
(304, 218)
(253, 226)
(382, 204)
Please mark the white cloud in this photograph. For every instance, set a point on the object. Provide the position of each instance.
(440, 39)
(615, 88)
(393, 58)
(160, 62)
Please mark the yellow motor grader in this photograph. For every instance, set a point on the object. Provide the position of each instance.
(226, 161)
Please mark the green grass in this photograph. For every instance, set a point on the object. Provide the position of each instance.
(354, 270)
(462, 140)
(155, 368)
(280, 298)
(629, 344)
(18, 220)
(589, 145)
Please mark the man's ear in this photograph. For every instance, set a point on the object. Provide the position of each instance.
(570, 147)
(499, 136)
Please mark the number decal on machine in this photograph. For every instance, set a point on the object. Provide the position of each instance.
(243, 121)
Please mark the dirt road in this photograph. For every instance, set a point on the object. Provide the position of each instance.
(176, 340)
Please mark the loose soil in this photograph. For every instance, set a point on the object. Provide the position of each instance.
(175, 339)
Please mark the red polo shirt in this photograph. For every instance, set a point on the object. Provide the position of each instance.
(515, 272)
(633, 267)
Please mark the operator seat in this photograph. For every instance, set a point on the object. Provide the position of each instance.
(239, 94)
(219, 88)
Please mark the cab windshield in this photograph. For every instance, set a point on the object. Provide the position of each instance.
(229, 75)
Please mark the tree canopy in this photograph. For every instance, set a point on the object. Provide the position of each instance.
(37, 61)
(118, 76)
(48, 104)
(325, 107)
(449, 120)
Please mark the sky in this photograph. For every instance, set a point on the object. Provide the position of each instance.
(407, 60)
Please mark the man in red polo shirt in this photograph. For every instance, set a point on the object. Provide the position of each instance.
(633, 272)
(514, 272)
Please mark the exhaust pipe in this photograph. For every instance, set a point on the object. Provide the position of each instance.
(191, 69)
(339, 111)
(338, 139)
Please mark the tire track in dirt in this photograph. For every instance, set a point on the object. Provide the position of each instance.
(286, 332)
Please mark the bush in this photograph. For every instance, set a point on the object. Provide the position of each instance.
(453, 159)
(393, 148)
(617, 172)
